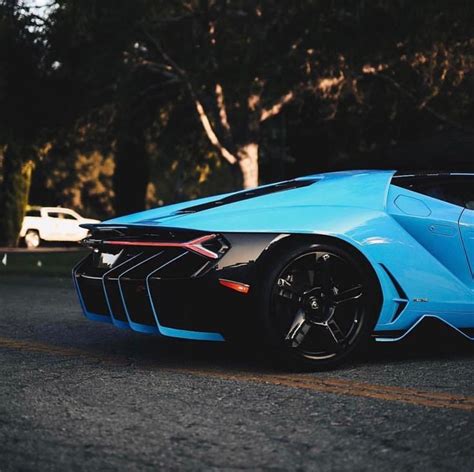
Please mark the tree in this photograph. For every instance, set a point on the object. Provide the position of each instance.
(91, 43)
(242, 62)
(235, 56)
(20, 102)
(408, 72)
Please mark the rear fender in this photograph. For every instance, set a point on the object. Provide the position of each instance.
(413, 282)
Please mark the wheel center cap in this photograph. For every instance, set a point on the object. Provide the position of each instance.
(313, 303)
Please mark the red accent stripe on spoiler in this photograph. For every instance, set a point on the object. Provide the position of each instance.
(195, 245)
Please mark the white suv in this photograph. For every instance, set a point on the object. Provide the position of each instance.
(52, 224)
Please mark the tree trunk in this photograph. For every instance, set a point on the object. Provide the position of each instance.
(132, 164)
(247, 157)
(131, 172)
(14, 192)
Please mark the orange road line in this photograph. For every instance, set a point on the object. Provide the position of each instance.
(301, 381)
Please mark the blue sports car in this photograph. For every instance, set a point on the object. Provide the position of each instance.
(311, 267)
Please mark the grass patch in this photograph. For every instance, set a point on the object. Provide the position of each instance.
(55, 264)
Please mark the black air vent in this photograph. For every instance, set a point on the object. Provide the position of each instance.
(247, 194)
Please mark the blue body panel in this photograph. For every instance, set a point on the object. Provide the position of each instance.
(466, 223)
(421, 248)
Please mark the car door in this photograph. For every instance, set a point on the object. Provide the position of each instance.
(53, 226)
(466, 222)
(430, 209)
(70, 225)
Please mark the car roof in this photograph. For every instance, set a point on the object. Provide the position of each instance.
(57, 208)
(434, 174)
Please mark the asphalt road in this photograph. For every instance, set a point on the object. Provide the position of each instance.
(79, 395)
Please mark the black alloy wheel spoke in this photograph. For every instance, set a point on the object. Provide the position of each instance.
(335, 332)
(298, 330)
(329, 311)
(289, 293)
(348, 295)
(325, 267)
(311, 290)
(287, 290)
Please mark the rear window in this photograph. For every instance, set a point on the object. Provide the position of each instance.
(61, 215)
(33, 213)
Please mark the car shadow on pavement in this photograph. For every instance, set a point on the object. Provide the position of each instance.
(432, 341)
(426, 344)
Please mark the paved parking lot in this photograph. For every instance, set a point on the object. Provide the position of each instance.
(78, 395)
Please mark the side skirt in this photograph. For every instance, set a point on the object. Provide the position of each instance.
(394, 336)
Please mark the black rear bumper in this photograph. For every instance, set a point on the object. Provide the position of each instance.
(169, 290)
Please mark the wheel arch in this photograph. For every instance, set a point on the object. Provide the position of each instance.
(23, 235)
(286, 242)
(32, 228)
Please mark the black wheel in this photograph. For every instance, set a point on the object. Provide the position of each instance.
(320, 303)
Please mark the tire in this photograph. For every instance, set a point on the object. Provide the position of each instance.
(319, 303)
(32, 239)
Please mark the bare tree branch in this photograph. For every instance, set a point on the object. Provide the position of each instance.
(423, 106)
(323, 86)
(203, 116)
(221, 107)
(211, 135)
(272, 111)
(218, 90)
